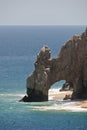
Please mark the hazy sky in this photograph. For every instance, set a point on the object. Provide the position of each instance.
(43, 12)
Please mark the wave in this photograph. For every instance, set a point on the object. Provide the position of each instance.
(51, 105)
(56, 91)
(12, 94)
(71, 106)
(59, 106)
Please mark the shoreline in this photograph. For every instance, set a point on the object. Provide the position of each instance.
(82, 103)
(61, 95)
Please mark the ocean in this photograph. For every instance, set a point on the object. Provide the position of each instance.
(19, 46)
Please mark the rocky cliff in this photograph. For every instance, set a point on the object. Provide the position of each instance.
(70, 65)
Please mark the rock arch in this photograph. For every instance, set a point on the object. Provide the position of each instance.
(70, 65)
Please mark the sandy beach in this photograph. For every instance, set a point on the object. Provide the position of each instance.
(82, 103)
(61, 95)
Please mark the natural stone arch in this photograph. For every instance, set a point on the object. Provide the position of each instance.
(70, 65)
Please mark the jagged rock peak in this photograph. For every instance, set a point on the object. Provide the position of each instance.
(84, 34)
(44, 54)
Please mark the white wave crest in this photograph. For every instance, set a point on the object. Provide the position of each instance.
(55, 91)
(70, 106)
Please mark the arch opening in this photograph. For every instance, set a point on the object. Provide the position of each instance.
(60, 90)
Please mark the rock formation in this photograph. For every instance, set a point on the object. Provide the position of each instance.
(67, 87)
(70, 65)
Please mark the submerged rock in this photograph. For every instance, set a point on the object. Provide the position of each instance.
(70, 65)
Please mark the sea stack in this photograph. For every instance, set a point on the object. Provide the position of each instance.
(70, 65)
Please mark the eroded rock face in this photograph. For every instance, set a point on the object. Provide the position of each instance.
(70, 65)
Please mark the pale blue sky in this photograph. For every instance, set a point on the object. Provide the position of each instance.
(43, 12)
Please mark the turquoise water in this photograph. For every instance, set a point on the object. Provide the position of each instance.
(19, 46)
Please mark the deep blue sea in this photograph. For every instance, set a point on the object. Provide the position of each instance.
(19, 46)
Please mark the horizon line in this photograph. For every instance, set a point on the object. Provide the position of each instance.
(43, 25)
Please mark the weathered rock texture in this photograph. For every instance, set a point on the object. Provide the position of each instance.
(70, 65)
